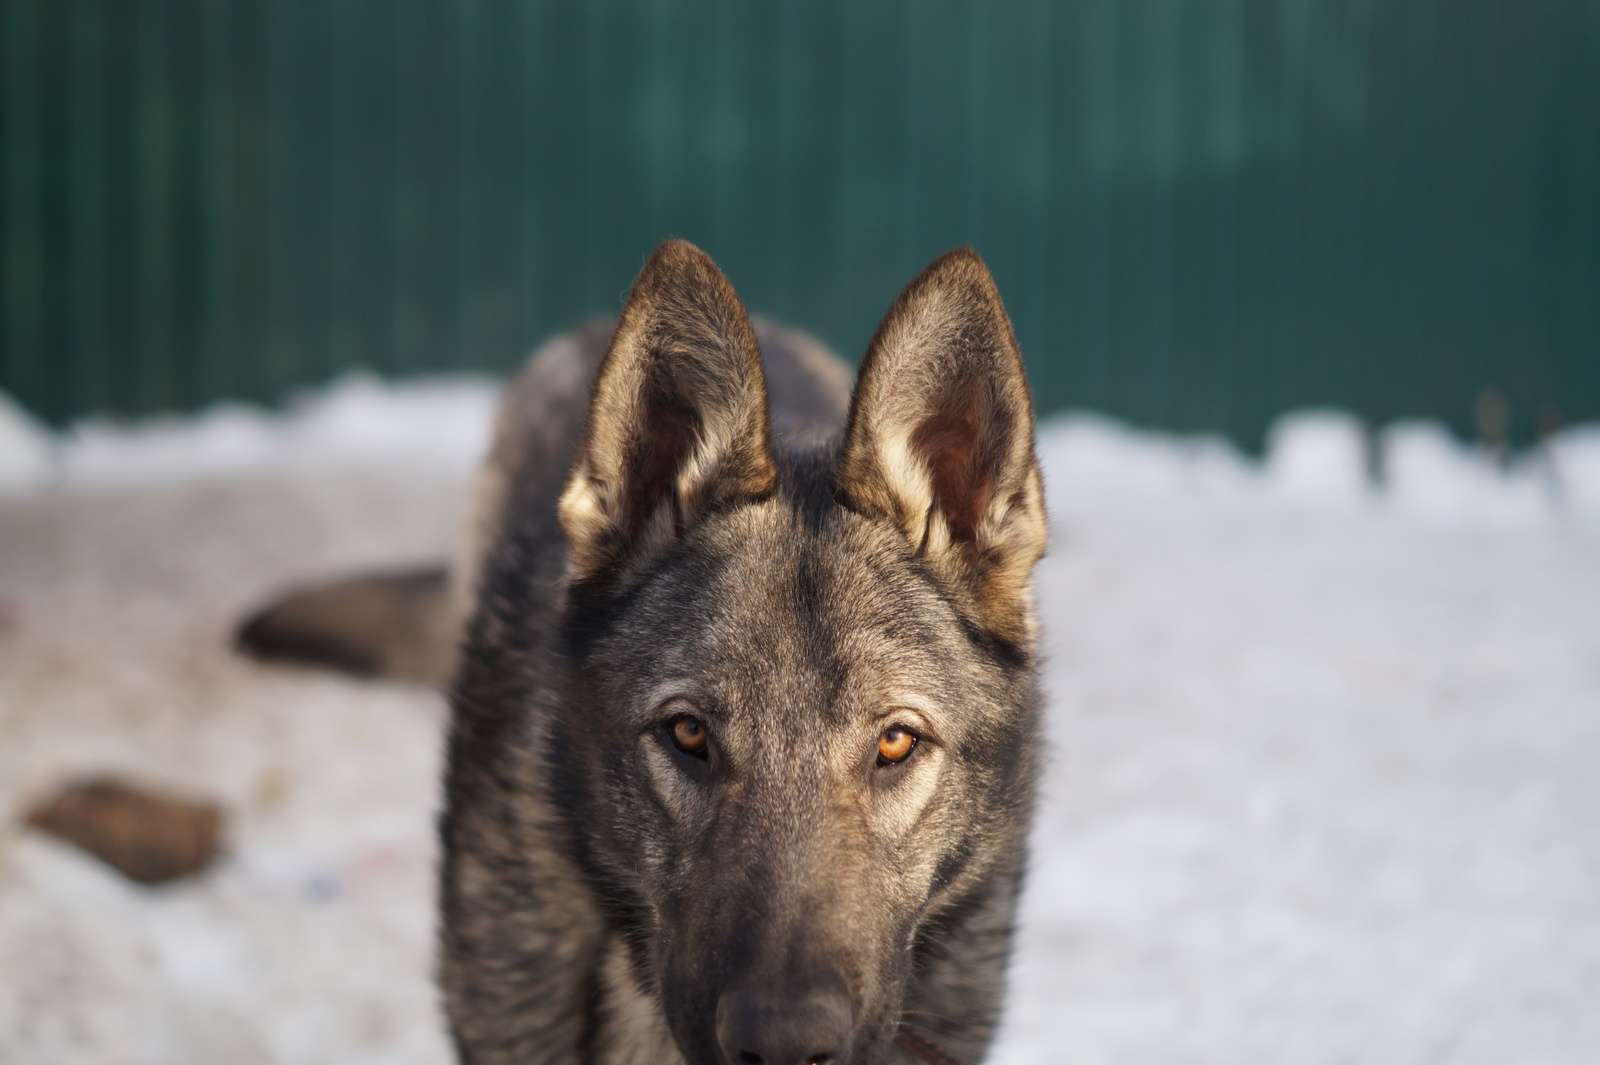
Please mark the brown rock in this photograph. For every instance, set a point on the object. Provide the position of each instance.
(400, 625)
(149, 838)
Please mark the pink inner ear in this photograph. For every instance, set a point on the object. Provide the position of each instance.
(956, 442)
(659, 452)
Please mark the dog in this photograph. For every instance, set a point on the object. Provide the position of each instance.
(745, 711)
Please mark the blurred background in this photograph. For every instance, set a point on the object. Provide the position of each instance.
(1322, 727)
(1202, 214)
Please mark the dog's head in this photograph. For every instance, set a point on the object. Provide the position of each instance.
(801, 708)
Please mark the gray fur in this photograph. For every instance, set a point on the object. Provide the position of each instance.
(601, 890)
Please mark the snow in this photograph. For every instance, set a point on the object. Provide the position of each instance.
(25, 459)
(1319, 457)
(441, 423)
(1320, 785)
(1575, 463)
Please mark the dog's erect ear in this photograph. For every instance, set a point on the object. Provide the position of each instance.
(940, 441)
(678, 422)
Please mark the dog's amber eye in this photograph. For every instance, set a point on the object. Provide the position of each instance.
(689, 734)
(895, 744)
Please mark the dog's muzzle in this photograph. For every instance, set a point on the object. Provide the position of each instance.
(757, 1027)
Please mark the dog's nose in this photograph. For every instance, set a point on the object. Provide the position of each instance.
(761, 1028)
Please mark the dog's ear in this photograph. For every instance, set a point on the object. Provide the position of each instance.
(678, 421)
(940, 441)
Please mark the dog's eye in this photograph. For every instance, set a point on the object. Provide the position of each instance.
(689, 735)
(896, 744)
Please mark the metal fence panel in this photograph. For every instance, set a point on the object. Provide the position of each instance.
(1201, 213)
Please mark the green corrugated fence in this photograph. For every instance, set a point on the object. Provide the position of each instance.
(1201, 212)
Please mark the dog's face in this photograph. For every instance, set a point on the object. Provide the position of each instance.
(801, 690)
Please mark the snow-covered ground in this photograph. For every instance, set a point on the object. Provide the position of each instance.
(1322, 785)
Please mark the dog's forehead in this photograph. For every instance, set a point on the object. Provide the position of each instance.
(766, 607)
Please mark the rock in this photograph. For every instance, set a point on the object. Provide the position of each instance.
(398, 625)
(149, 838)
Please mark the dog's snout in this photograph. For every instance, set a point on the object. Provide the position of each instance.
(758, 1027)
